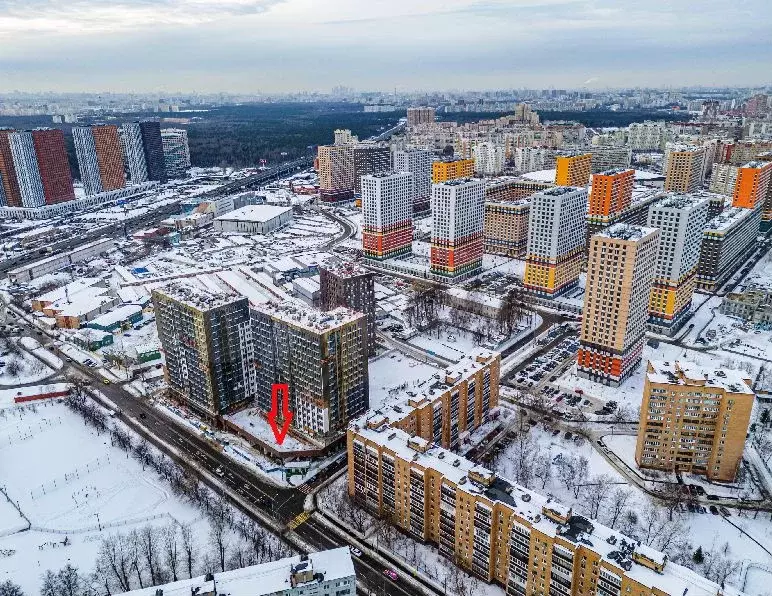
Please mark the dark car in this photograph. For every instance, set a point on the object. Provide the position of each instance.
(714, 510)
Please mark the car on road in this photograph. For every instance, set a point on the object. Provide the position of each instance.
(106, 381)
(714, 510)
(391, 574)
(142, 415)
(219, 471)
(355, 551)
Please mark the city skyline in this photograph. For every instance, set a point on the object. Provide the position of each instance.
(290, 45)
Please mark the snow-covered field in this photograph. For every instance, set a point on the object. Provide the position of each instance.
(446, 342)
(392, 370)
(70, 482)
(21, 367)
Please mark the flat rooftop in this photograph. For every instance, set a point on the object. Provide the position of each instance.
(623, 231)
(680, 201)
(197, 296)
(685, 372)
(255, 213)
(300, 315)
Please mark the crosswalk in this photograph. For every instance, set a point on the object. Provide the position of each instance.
(306, 489)
(300, 519)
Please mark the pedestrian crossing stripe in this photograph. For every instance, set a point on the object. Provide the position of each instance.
(305, 489)
(300, 519)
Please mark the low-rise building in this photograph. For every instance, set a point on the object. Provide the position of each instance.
(753, 304)
(119, 318)
(253, 219)
(54, 263)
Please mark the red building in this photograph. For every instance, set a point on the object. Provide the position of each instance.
(53, 165)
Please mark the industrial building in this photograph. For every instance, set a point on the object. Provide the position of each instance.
(556, 236)
(620, 269)
(694, 419)
(387, 215)
(680, 219)
(53, 263)
(253, 219)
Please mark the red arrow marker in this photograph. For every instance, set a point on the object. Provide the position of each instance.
(286, 415)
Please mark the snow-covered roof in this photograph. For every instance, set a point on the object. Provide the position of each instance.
(300, 315)
(187, 292)
(71, 288)
(624, 231)
(267, 578)
(728, 219)
(255, 213)
(684, 372)
(116, 315)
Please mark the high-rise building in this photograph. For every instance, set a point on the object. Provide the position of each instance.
(573, 169)
(133, 152)
(489, 158)
(753, 180)
(336, 172)
(610, 195)
(514, 190)
(496, 529)
(369, 159)
(349, 285)
(207, 341)
(723, 178)
(343, 136)
(10, 195)
(419, 163)
(727, 240)
(620, 270)
(766, 215)
(453, 169)
(420, 115)
(646, 136)
(680, 219)
(387, 215)
(610, 158)
(694, 419)
(321, 356)
(458, 216)
(100, 158)
(176, 151)
(153, 149)
(42, 168)
(684, 167)
(506, 227)
(556, 237)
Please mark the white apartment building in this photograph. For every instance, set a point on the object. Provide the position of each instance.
(723, 178)
(85, 150)
(176, 151)
(387, 214)
(343, 136)
(134, 152)
(419, 163)
(646, 136)
(532, 159)
(27, 173)
(680, 219)
(489, 158)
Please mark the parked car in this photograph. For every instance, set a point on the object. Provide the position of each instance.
(391, 574)
(714, 510)
(724, 511)
(355, 551)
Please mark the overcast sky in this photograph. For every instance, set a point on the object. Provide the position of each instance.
(288, 45)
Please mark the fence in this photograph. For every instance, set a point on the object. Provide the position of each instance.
(48, 487)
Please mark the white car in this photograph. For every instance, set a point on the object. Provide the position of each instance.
(219, 471)
(355, 551)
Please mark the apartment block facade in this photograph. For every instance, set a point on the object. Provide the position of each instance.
(684, 167)
(420, 115)
(133, 152)
(611, 158)
(497, 530)
(100, 158)
(387, 215)
(152, 146)
(514, 190)
(207, 342)
(10, 195)
(419, 163)
(727, 240)
(723, 178)
(347, 284)
(336, 172)
(442, 171)
(370, 159)
(458, 217)
(573, 170)
(556, 236)
(489, 158)
(611, 194)
(42, 167)
(694, 419)
(321, 356)
(620, 270)
(506, 227)
(176, 151)
(680, 219)
(753, 180)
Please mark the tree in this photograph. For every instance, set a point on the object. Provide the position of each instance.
(50, 586)
(69, 581)
(13, 369)
(114, 562)
(188, 548)
(764, 418)
(8, 588)
(171, 550)
(598, 489)
(511, 311)
(616, 507)
(543, 468)
(148, 541)
(698, 557)
(673, 497)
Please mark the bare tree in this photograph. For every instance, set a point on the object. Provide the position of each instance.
(135, 550)
(188, 548)
(149, 544)
(598, 489)
(543, 468)
(673, 496)
(114, 561)
(69, 581)
(171, 550)
(619, 498)
(8, 588)
(572, 471)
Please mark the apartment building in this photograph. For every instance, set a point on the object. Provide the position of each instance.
(620, 271)
(370, 159)
(42, 167)
(514, 190)
(753, 182)
(419, 163)
(10, 196)
(766, 215)
(176, 151)
(152, 146)
(680, 219)
(747, 150)
(206, 337)
(573, 169)
(420, 115)
(646, 136)
(489, 158)
(343, 136)
(321, 356)
(387, 215)
(133, 152)
(442, 171)
(498, 530)
(352, 286)
(684, 167)
(458, 216)
(723, 179)
(336, 172)
(727, 240)
(610, 158)
(611, 193)
(506, 227)
(531, 159)
(100, 158)
(694, 419)
(556, 236)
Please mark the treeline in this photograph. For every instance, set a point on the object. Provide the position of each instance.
(591, 118)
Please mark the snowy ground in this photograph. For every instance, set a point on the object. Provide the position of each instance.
(69, 481)
(21, 368)
(392, 370)
(446, 342)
